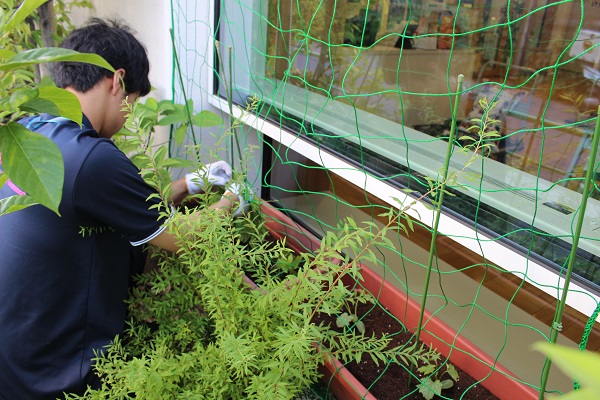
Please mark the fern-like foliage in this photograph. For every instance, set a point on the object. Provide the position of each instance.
(197, 330)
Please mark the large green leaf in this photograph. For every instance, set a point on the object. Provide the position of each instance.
(172, 119)
(26, 8)
(34, 163)
(15, 203)
(55, 101)
(21, 96)
(52, 54)
(584, 366)
(179, 134)
(206, 118)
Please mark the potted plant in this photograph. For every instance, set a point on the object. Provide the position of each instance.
(437, 334)
(460, 351)
(31, 162)
(197, 331)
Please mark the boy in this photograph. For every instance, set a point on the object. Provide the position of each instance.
(62, 291)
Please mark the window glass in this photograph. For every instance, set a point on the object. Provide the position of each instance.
(375, 82)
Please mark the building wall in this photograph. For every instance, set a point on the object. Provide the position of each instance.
(151, 19)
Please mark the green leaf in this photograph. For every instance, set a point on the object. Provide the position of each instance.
(447, 384)
(140, 160)
(472, 176)
(427, 206)
(21, 96)
(151, 104)
(358, 357)
(147, 113)
(374, 358)
(360, 326)
(344, 320)
(179, 134)
(177, 163)
(172, 119)
(450, 370)
(34, 163)
(4, 54)
(427, 369)
(165, 106)
(429, 388)
(55, 101)
(52, 54)
(388, 214)
(159, 155)
(409, 222)
(189, 107)
(580, 365)
(15, 203)
(206, 118)
(26, 8)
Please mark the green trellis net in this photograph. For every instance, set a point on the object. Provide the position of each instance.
(353, 104)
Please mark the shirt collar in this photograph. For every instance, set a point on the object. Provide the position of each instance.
(86, 122)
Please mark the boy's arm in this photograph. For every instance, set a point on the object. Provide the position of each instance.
(179, 190)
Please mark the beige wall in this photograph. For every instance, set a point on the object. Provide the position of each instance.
(151, 19)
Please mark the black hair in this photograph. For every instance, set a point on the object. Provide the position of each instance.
(116, 43)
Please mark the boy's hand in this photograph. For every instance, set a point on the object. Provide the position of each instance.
(243, 193)
(217, 174)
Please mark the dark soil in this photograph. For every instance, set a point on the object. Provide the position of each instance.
(391, 381)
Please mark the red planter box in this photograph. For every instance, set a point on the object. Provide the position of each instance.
(281, 226)
(461, 352)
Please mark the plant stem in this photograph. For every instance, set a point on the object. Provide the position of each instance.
(438, 206)
(438, 212)
(557, 323)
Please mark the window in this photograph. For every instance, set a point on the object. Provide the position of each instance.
(374, 83)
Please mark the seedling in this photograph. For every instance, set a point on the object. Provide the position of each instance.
(433, 383)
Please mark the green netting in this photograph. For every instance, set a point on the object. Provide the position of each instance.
(354, 104)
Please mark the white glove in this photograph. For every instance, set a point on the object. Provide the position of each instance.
(243, 192)
(217, 174)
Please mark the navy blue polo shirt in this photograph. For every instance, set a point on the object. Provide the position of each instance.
(63, 280)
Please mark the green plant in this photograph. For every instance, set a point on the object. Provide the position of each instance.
(581, 365)
(483, 133)
(137, 139)
(433, 383)
(196, 330)
(63, 10)
(31, 161)
(349, 318)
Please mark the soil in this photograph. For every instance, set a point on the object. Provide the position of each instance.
(393, 384)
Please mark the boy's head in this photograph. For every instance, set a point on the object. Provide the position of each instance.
(116, 43)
